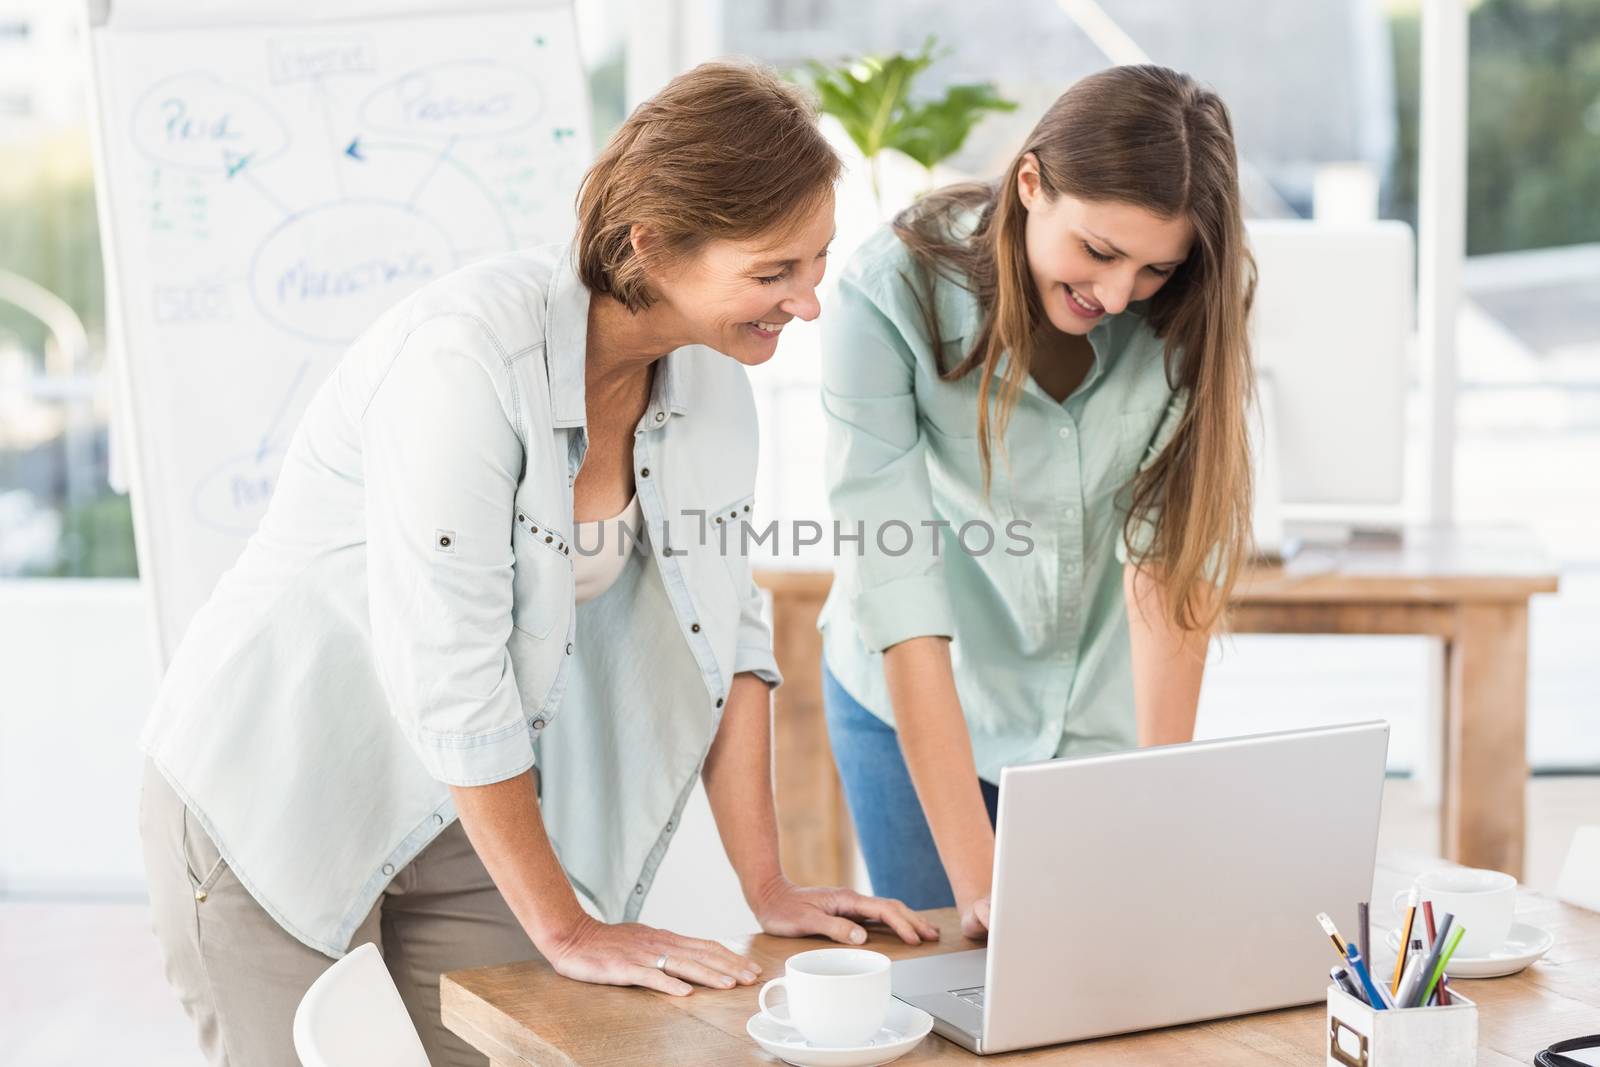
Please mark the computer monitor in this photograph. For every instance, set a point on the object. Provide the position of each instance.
(1331, 327)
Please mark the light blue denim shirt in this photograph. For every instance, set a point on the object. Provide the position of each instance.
(1038, 624)
(404, 618)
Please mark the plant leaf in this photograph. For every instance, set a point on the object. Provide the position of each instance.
(871, 98)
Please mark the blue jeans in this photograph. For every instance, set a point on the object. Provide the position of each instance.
(895, 840)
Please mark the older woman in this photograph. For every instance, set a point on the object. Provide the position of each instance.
(421, 683)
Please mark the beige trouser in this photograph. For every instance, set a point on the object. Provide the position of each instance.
(240, 975)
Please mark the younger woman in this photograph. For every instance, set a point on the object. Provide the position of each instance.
(1045, 378)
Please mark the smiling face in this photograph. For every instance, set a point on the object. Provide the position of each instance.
(737, 296)
(1091, 258)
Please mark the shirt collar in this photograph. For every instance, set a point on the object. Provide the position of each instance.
(671, 389)
(566, 339)
(566, 345)
(958, 311)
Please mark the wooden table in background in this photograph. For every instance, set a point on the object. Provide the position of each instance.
(1469, 587)
(524, 1014)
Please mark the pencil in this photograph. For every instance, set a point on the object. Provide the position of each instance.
(1364, 929)
(1427, 916)
(1405, 941)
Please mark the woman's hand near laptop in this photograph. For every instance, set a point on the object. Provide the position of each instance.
(786, 910)
(738, 781)
(938, 754)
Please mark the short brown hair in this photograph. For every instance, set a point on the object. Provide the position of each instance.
(724, 151)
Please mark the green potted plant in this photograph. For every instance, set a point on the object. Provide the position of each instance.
(871, 96)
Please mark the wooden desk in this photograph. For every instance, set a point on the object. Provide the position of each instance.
(1469, 587)
(524, 1013)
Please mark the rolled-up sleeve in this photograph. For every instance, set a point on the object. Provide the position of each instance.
(754, 651)
(441, 465)
(878, 476)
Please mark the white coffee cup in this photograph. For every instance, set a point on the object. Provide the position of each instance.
(1483, 902)
(837, 997)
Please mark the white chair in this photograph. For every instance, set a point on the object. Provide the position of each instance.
(352, 1016)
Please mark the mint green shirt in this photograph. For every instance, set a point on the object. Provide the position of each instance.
(1038, 624)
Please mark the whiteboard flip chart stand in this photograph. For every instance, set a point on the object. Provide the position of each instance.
(270, 177)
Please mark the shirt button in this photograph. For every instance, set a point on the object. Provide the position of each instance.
(669, 826)
(569, 648)
(644, 472)
(438, 820)
(694, 627)
(388, 868)
(1065, 432)
(719, 702)
(1072, 514)
(638, 890)
(661, 416)
(538, 724)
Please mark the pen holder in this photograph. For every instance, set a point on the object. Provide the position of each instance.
(1360, 1036)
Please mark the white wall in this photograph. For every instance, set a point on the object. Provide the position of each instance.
(76, 675)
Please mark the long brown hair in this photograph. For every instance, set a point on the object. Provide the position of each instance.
(725, 150)
(1154, 138)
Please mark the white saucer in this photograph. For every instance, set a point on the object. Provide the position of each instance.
(1524, 944)
(902, 1030)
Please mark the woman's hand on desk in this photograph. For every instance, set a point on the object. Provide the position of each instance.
(975, 919)
(786, 910)
(626, 954)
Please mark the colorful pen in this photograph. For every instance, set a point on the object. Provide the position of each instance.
(1416, 974)
(1332, 932)
(1341, 978)
(1427, 917)
(1445, 926)
(1364, 929)
(1375, 994)
(1444, 960)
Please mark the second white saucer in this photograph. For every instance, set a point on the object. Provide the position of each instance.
(902, 1030)
(1524, 944)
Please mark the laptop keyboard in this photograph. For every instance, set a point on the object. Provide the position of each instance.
(973, 996)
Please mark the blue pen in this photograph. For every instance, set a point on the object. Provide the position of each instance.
(1376, 999)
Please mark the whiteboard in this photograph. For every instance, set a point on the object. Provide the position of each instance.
(270, 178)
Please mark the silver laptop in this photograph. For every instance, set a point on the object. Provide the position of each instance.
(1163, 886)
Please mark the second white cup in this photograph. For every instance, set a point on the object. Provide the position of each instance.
(837, 997)
(1483, 902)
